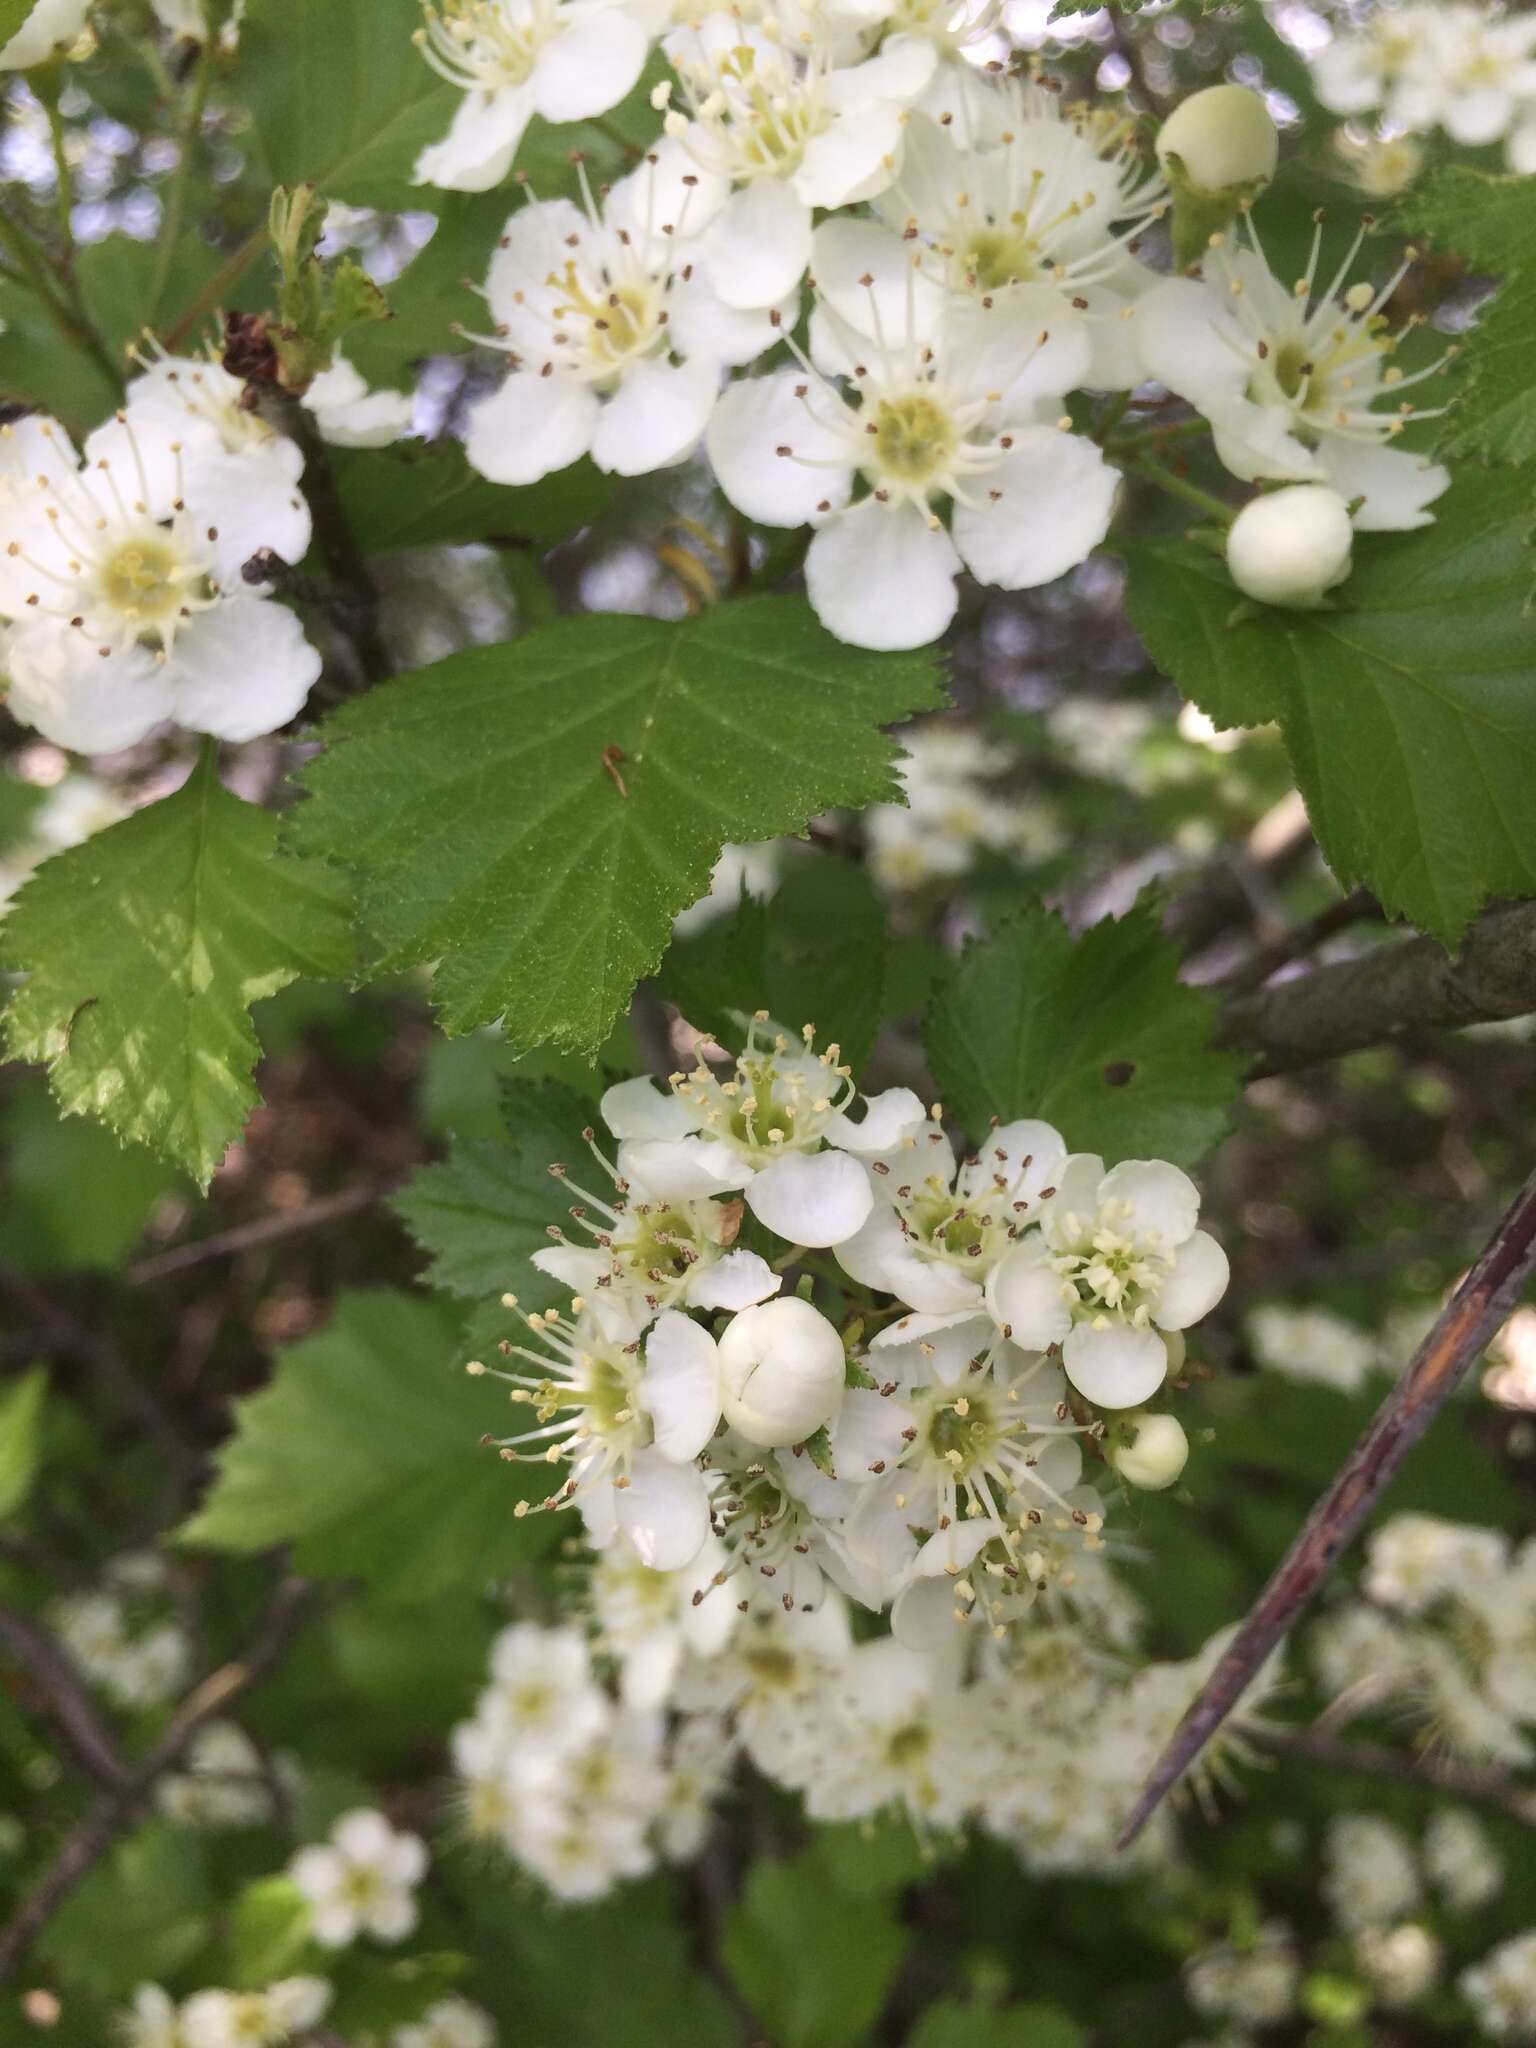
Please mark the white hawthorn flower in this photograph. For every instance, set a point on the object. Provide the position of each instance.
(50, 26)
(1462, 68)
(1156, 1456)
(152, 2021)
(1414, 1560)
(617, 342)
(1372, 1873)
(564, 60)
(350, 415)
(362, 1881)
(940, 1224)
(1289, 379)
(450, 2023)
(254, 2019)
(757, 1126)
(121, 581)
(542, 1698)
(772, 112)
(627, 1472)
(651, 1621)
(1461, 1860)
(1118, 1262)
(1220, 140)
(776, 1375)
(1291, 546)
(941, 403)
(650, 1252)
(1056, 198)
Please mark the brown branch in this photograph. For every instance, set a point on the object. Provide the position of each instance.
(263, 1230)
(1475, 1783)
(1300, 941)
(117, 1807)
(1460, 1335)
(65, 1698)
(1390, 993)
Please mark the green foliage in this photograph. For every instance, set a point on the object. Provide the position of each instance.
(12, 14)
(340, 99)
(1408, 710)
(949, 2024)
(268, 1934)
(21, 1429)
(362, 1454)
(144, 950)
(318, 303)
(142, 1914)
(410, 496)
(1095, 1034)
(476, 800)
(815, 954)
(1492, 222)
(815, 1964)
(77, 1196)
(487, 1208)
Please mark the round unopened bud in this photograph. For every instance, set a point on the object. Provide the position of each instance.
(1221, 140)
(1292, 546)
(1156, 1457)
(781, 1372)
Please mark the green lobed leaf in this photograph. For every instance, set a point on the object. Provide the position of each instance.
(814, 1963)
(21, 1426)
(949, 2024)
(1492, 222)
(476, 801)
(362, 1453)
(1095, 1034)
(341, 98)
(487, 1207)
(410, 496)
(814, 954)
(144, 949)
(269, 1934)
(1408, 709)
(78, 1196)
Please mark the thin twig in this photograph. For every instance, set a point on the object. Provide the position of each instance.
(1460, 1335)
(65, 1698)
(1472, 1782)
(264, 1230)
(1299, 942)
(114, 1809)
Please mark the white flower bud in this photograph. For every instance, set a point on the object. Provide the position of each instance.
(1157, 1456)
(1223, 139)
(781, 1372)
(1291, 546)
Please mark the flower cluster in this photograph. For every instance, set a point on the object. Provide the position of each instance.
(957, 810)
(362, 1881)
(1018, 1311)
(1466, 69)
(124, 1635)
(283, 2012)
(1448, 1633)
(920, 260)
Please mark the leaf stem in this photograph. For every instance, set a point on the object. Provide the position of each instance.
(1180, 487)
(63, 191)
(176, 198)
(1154, 438)
(223, 280)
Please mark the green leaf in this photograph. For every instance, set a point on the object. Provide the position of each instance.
(144, 950)
(1096, 1034)
(140, 1916)
(341, 98)
(475, 799)
(21, 1421)
(268, 1933)
(949, 2024)
(363, 1454)
(487, 1208)
(1408, 710)
(813, 1962)
(1492, 222)
(814, 954)
(79, 1198)
(12, 14)
(411, 496)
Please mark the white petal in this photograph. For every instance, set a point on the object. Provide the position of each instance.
(900, 71)
(1179, 326)
(866, 1256)
(1055, 495)
(1069, 1219)
(1397, 485)
(1256, 441)
(950, 1550)
(1115, 1367)
(1164, 1204)
(574, 1268)
(880, 576)
(870, 278)
(921, 1348)
(924, 1616)
(638, 1109)
(867, 1433)
(481, 142)
(814, 1199)
(736, 1281)
(853, 159)
(664, 1511)
(248, 501)
(241, 669)
(60, 685)
(1028, 346)
(751, 423)
(656, 417)
(680, 1390)
(1006, 1150)
(532, 426)
(706, 327)
(887, 1118)
(1198, 1281)
(682, 1169)
(756, 248)
(1024, 1296)
(589, 67)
